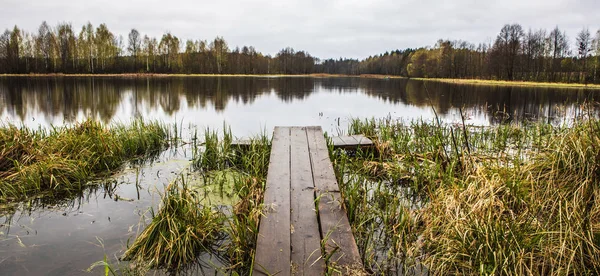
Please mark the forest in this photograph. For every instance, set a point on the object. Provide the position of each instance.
(515, 54)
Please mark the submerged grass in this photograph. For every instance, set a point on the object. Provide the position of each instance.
(432, 198)
(453, 199)
(178, 232)
(61, 161)
(192, 220)
(251, 162)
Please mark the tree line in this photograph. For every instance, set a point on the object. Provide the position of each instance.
(516, 54)
(97, 50)
(533, 55)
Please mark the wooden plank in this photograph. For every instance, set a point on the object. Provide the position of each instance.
(335, 227)
(274, 241)
(305, 236)
(321, 164)
(349, 140)
(242, 142)
(362, 140)
(337, 141)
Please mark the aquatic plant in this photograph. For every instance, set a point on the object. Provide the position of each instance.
(458, 199)
(61, 161)
(249, 165)
(180, 230)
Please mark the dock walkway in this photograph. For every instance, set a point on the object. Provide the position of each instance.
(303, 207)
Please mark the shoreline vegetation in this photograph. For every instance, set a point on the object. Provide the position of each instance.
(482, 82)
(432, 197)
(513, 83)
(62, 162)
(516, 54)
(445, 199)
(466, 200)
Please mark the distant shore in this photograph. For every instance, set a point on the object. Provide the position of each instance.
(159, 75)
(323, 75)
(513, 83)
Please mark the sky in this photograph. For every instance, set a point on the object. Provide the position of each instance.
(325, 29)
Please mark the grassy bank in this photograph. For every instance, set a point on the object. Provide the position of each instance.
(61, 162)
(514, 83)
(471, 200)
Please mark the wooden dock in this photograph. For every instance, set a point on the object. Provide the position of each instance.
(351, 142)
(301, 181)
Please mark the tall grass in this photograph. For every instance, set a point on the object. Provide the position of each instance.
(217, 153)
(178, 232)
(62, 161)
(432, 198)
(453, 199)
(250, 162)
(189, 223)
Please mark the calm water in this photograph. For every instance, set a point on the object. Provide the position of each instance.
(250, 105)
(64, 238)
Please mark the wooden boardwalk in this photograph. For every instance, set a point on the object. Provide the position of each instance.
(351, 142)
(301, 181)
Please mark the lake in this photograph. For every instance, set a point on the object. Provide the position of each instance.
(65, 237)
(253, 104)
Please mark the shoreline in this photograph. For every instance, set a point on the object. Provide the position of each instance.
(532, 84)
(481, 82)
(160, 75)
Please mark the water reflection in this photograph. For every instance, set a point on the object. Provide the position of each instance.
(44, 237)
(265, 101)
(64, 237)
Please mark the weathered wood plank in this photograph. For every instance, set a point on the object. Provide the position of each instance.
(362, 140)
(321, 164)
(274, 241)
(349, 140)
(337, 141)
(306, 248)
(290, 232)
(335, 227)
(242, 142)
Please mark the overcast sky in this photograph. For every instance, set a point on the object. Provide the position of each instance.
(326, 29)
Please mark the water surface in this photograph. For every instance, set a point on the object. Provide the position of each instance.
(65, 237)
(253, 104)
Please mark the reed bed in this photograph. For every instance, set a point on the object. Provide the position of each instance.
(62, 161)
(456, 199)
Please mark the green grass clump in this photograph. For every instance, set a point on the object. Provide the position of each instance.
(457, 199)
(250, 163)
(217, 153)
(178, 232)
(242, 228)
(61, 161)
